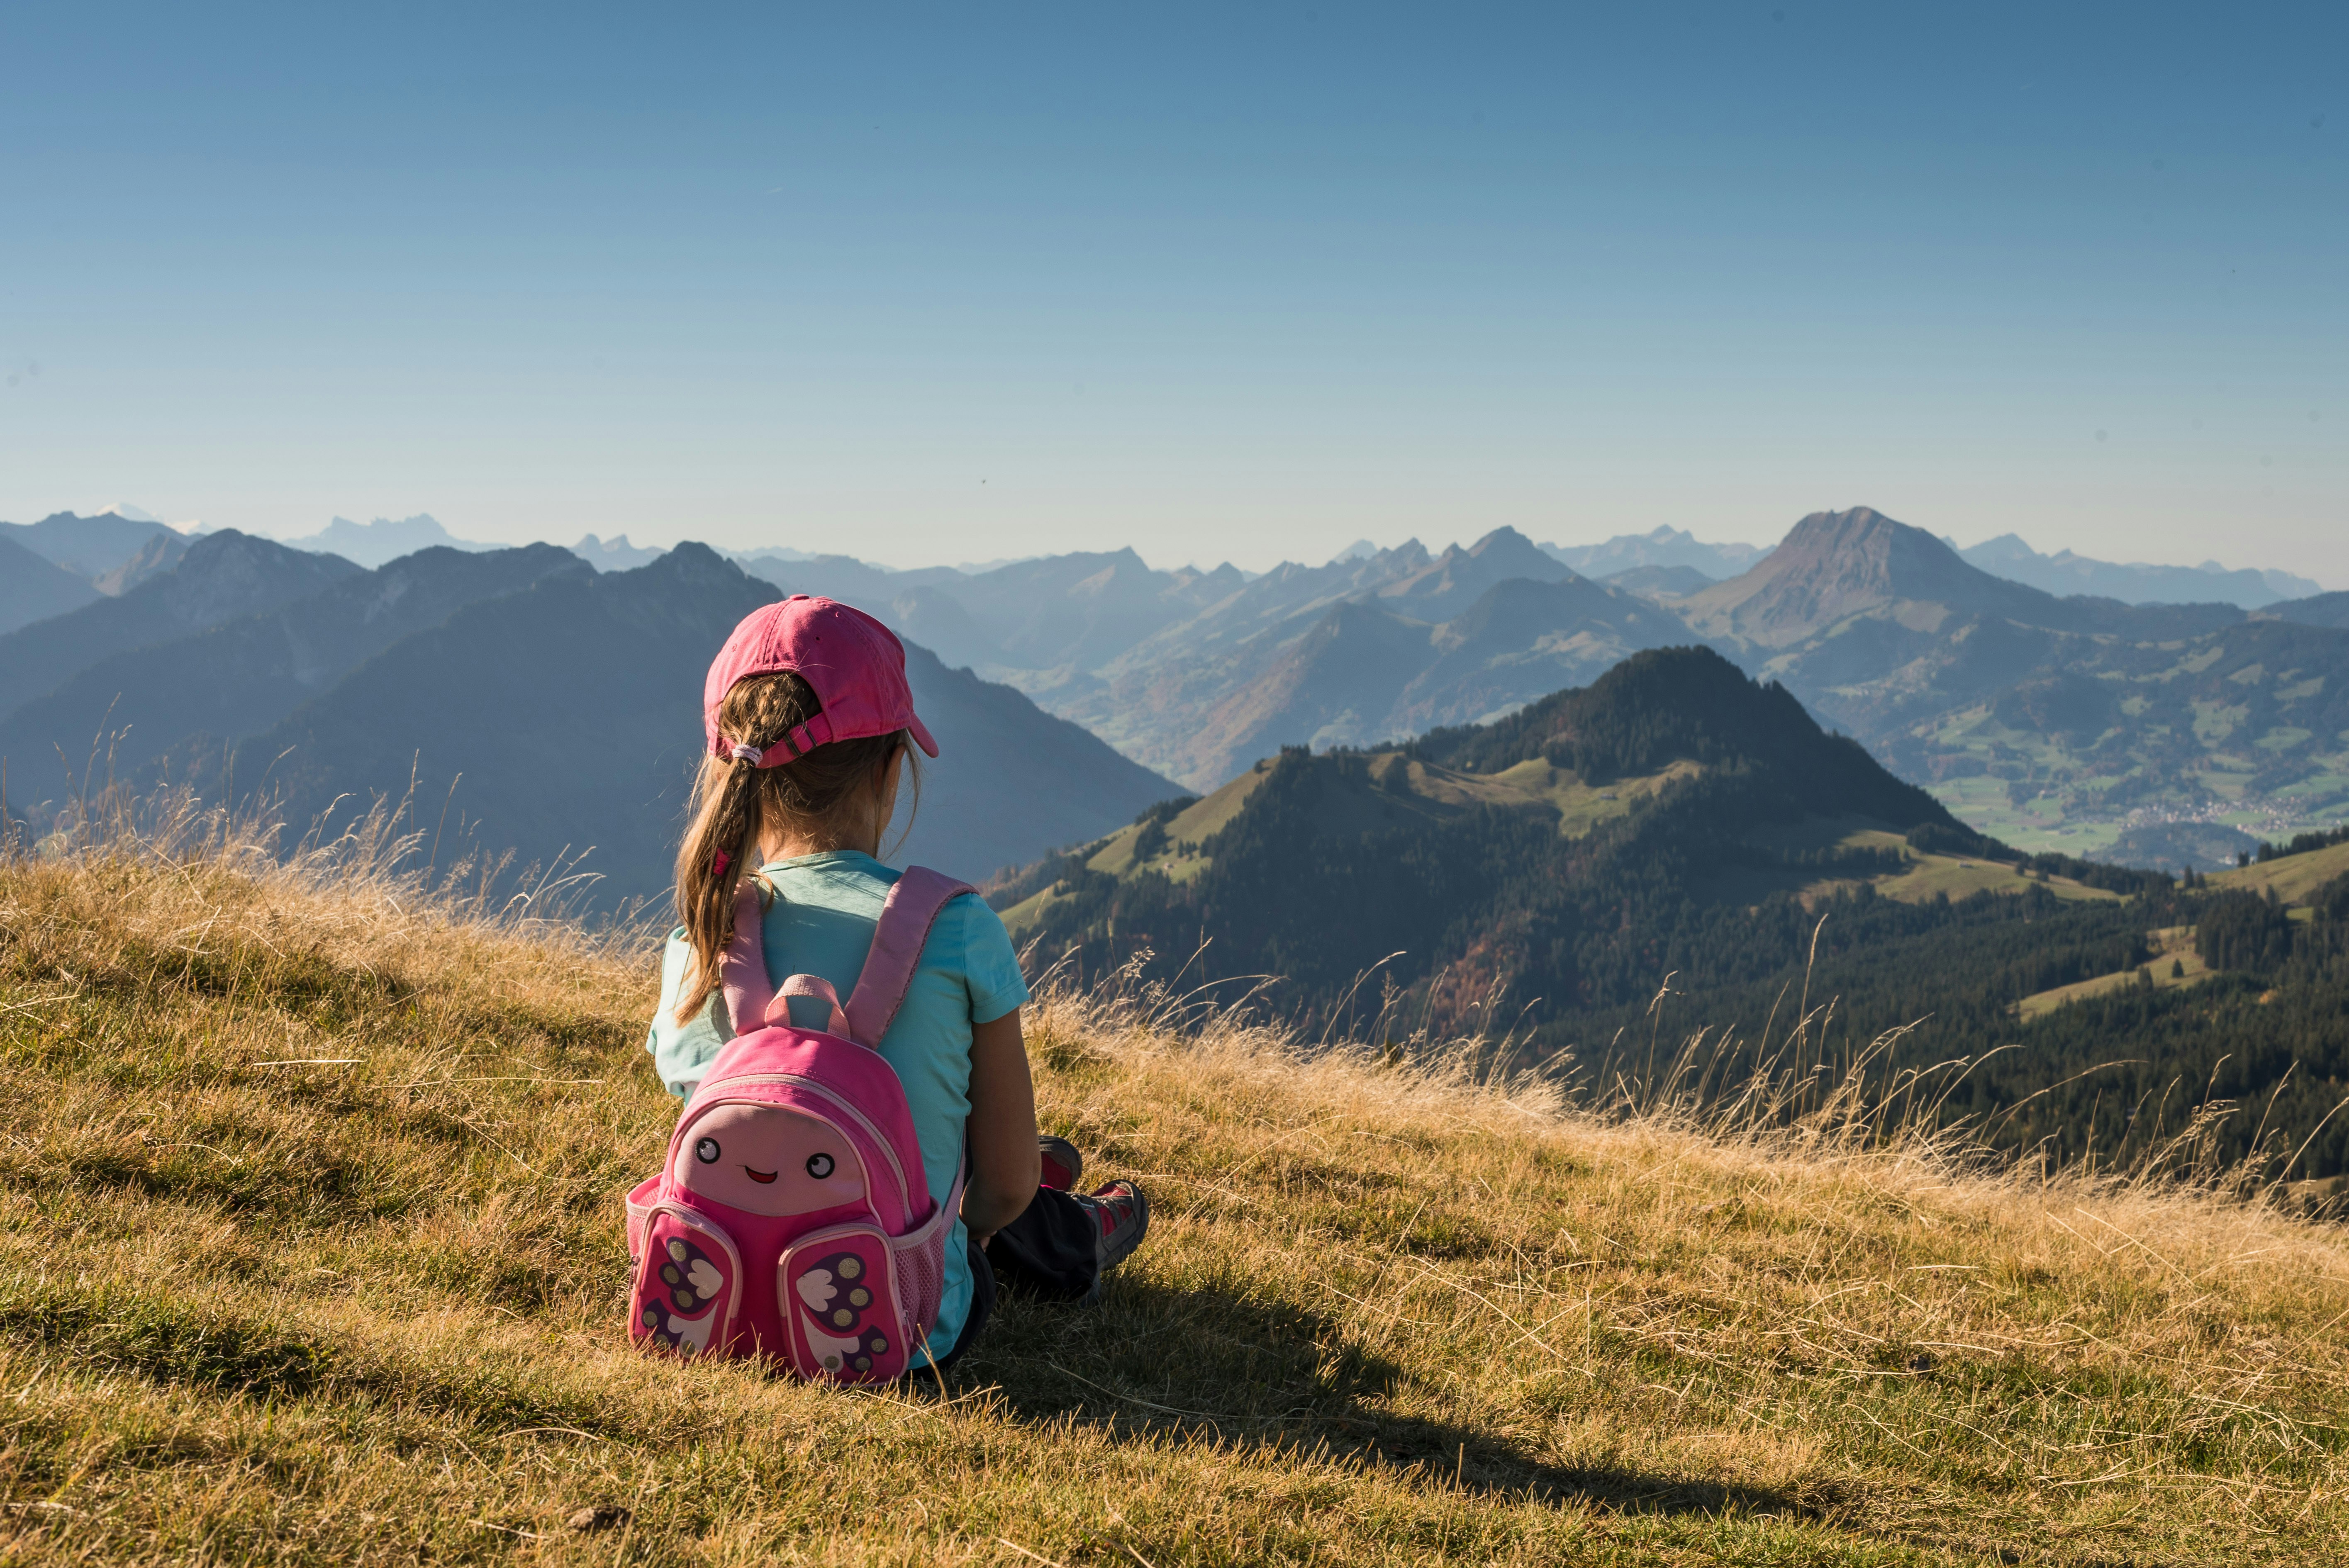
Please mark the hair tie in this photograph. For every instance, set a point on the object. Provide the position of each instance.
(746, 753)
(718, 866)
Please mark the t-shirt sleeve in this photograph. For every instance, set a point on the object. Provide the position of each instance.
(990, 968)
(683, 1052)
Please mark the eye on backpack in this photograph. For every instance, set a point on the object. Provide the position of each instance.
(792, 1219)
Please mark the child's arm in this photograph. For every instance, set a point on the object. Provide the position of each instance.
(1004, 1167)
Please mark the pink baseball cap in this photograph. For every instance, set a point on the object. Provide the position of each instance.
(855, 664)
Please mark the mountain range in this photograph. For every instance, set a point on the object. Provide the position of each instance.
(1975, 685)
(384, 540)
(1197, 673)
(1441, 790)
(65, 561)
(1662, 547)
(2055, 720)
(551, 707)
(97, 547)
(387, 539)
(566, 716)
(2137, 582)
(614, 554)
(2028, 713)
(218, 578)
(2319, 610)
(247, 658)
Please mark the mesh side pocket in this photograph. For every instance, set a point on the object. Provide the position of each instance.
(640, 1212)
(921, 1268)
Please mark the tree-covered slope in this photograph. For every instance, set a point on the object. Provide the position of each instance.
(1514, 853)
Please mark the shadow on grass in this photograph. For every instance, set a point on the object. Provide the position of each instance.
(150, 1334)
(1153, 1364)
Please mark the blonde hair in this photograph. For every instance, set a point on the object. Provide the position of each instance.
(734, 798)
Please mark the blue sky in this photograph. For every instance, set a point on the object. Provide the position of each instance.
(943, 284)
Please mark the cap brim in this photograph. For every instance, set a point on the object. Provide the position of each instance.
(922, 735)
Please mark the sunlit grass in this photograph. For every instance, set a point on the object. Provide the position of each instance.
(314, 1254)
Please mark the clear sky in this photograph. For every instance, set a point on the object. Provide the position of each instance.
(959, 282)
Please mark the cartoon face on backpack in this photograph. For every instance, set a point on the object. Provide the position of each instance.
(765, 1159)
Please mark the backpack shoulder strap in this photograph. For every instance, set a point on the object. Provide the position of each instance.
(907, 917)
(742, 970)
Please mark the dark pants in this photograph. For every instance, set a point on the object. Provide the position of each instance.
(1048, 1251)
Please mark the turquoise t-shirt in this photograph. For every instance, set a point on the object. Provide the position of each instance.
(821, 923)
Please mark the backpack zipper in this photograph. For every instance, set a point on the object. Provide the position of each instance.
(870, 1131)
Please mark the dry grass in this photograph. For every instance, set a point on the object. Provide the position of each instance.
(313, 1253)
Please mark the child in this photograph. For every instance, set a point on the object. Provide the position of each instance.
(807, 716)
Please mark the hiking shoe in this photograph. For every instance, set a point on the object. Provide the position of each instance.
(1121, 1217)
(1061, 1162)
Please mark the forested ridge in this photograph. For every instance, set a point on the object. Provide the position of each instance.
(1583, 949)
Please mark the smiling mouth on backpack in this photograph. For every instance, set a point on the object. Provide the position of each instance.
(760, 1176)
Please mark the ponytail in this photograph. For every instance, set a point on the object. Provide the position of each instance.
(734, 798)
(720, 848)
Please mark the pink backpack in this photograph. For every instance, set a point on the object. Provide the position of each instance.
(792, 1217)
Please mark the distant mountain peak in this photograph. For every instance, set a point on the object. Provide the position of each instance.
(384, 539)
(1835, 564)
(159, 554)
(690, 560)
(89, 547)
(1865, 548)
(1855, 525)
(1500, 537)
(614, 554)
(2067, 573)
(1662, 546)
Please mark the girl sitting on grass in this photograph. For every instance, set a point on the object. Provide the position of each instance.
(808, 715)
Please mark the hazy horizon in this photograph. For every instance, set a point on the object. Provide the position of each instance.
(1226, 284)
(2337, 578)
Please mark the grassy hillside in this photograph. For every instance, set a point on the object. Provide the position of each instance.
(2293, 877)
(313, 1255)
